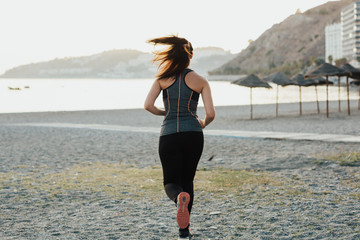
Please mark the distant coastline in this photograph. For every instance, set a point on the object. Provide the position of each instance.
(114, 64)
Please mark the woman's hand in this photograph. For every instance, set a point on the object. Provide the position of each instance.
(202, 123)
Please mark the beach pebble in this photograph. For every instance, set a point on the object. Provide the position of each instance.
(215, 213)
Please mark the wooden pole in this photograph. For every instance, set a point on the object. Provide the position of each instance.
(300, 100)
(339, 101)
(359, 99)
(251, 107)
(327, 96)
(347, 92)
(317, 100)
(277, 100)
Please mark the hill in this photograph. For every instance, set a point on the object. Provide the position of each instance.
(124, 63)
(209, 58)
(292, 45)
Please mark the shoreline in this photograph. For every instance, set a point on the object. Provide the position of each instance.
(227, 117)
(333, 104)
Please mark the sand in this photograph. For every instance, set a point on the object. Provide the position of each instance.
(317, 199)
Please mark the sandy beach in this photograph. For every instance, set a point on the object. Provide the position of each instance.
(61, 179)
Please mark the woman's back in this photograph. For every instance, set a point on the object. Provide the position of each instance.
(180, 103)
(192, 80)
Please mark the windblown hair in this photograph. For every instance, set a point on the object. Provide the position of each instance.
(173, 60)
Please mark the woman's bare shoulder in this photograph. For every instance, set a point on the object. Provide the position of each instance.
(165, 82)
(195, 81)
(195, 75)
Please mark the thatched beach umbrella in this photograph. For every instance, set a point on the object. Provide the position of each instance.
(326, 70)
(354, 73)
(251, 81)
(357, 83)
(302, 82)
(279, 79)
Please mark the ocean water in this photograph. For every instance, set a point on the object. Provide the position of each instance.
(39, 95)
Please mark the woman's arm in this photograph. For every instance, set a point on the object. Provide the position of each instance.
(208, 104)
(149, 104)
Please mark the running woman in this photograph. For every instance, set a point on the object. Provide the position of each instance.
(181, 138)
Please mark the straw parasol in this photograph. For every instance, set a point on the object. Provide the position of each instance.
(354, 73)
(326, 70)
(279, 79)
(357, 83)
(302, 82)
(251, 81)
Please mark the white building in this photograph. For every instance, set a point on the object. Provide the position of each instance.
(350, 25)
(333, 42)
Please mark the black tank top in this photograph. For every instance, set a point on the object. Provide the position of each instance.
(180, 103)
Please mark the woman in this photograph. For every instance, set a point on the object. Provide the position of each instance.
(181, 137)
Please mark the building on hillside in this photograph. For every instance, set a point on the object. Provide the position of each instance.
(333, 42)
(350, 26)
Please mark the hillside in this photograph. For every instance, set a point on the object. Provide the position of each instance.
(109, 64)
(209, 58)
(289, 46)
(122, 63)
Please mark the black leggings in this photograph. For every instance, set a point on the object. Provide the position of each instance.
(180, 154)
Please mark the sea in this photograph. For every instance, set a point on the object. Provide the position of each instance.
(44, 95)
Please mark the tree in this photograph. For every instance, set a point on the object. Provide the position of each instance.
(330, 58)
(340, 62)
(312, 60)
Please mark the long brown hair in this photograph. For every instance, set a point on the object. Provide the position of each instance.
(173, 60)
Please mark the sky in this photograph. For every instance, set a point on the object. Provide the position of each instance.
(41, 30)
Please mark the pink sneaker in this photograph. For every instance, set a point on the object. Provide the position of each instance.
(183, 216)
